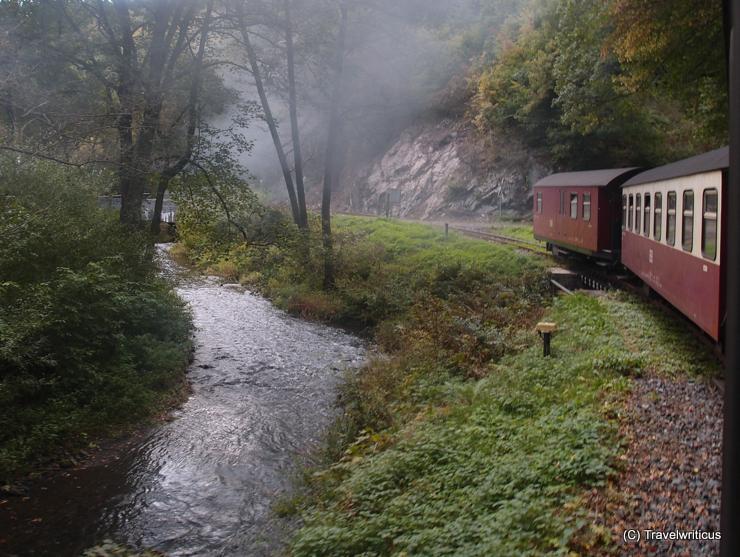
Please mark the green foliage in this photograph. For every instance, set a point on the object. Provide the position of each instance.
(489, 469)
(677, 50)
(215, 213)
(89, 336)
(593, 85)
(461, 439)
(443, 466)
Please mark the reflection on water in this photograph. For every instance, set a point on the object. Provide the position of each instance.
(263, 389)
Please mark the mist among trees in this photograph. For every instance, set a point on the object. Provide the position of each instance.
(254, 117)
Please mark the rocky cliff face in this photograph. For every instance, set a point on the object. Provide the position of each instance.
(445, 169)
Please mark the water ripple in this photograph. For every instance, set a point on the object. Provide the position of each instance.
(263, 386)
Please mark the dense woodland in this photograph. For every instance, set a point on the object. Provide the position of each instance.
(171, 97)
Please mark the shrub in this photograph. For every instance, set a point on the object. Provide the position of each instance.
(90, 337)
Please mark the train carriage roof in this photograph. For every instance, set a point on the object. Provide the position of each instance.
(587, 178)
(718, 159)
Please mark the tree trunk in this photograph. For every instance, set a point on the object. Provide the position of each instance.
(136, 155)
(193, 114)
(162, 185)
(332, 161)
(293, 105)
(9, 110)
(256, 74)
(131, 198)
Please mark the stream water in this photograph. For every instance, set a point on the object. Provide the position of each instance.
(263, 390)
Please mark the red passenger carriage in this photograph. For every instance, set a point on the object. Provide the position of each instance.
(672, 234)
(579, 211)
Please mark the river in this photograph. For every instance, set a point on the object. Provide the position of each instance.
(263, 391)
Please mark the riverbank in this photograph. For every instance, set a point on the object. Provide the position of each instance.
(464, 439)
(202, 482)
(93, 342)
(52, 423)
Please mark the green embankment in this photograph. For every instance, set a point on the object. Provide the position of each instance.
(520, 231)
(91, 339)
(462, 439)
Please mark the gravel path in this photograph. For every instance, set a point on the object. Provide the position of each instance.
(672, 468)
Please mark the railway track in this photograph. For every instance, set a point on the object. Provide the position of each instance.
(500, 239)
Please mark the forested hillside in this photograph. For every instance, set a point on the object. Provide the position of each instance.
(567, 84)
(531, 86)
(609, 83)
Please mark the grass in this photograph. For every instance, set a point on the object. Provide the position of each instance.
(492, 467)
(419, 247)
(520, 231)
(462, 439)
(661, 339)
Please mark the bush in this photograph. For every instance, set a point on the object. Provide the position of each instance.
(90, 337)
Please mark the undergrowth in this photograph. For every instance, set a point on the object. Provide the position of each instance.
(492, 467)
(461, 439)
(91, 340)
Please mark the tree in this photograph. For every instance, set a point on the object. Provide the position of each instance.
(332, 164)
(297, 205)
(126, 72)
(676, 49)
(193, 109)
(561, 86)
(294, 126)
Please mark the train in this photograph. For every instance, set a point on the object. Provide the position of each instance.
(666, 225)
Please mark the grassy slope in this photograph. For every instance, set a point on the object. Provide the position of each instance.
(521, 231)
(463, 440)
(494, 470)
(497, 468)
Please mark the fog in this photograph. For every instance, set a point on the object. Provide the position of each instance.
(404, 61)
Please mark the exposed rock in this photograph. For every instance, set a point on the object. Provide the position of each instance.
(233, 286)
(446, 169)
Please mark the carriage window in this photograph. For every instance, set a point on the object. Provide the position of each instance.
(624, 212)
(562, 202)
(629, 213)
(646, 216)
(638, 215)
(687, 225)
(574, 205)
(709, 224)
(658, 220)
(670, 233)
(586, 206)
(539, 201)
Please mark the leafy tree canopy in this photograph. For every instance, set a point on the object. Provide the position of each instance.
(601, 84)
